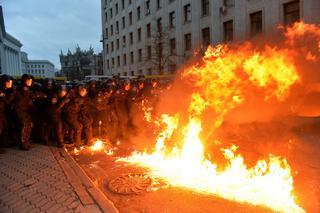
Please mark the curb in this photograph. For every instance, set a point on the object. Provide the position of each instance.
(88, 193)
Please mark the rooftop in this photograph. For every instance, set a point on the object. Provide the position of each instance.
(40, 62)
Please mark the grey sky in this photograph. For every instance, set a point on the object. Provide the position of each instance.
(44, 27)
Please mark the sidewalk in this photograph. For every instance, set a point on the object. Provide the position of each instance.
(46, 179)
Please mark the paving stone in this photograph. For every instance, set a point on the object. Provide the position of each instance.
(53, 208)
(92, 209)
(80, 208)
(48, 205)
(74, 205)
(19, 206)
(40, 181)
(13, 201)
(61, 209)
(68, 201)
(69, 211)
(42, 203)
(27, 209)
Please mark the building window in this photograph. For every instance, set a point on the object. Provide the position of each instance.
(149, 70)
(118, 44)
(228, 3)
(158, 4)
(117, 8)
(107, 48)
(172, 17)
(172, 46)
(139, 34)
(125, 74)
(291, 12)
(147, 7)
(255, 23)
(205, 7)
(206, 37)
(124, 59)
(130, 18)
(112, 62)
(172, 68)
(111, 27)
(117, 27)
(132, 73)
(187, 42)
(106, 32)
(148, 30)
(123, 22)
(111, 13)
(124, 41)
(139, 13)
(187, 13)
(131, 58)
(159, 24)
(149, 52)
(140, 55)
(106, 16)
(122, 4)
(112, 46)
(130, 2)
(228, 31)
(131, 38)
(118, 61)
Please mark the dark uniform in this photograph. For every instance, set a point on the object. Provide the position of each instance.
(101, 115)
(86, 119)
(122, 107)
(54, 114)
(112, 117)
(42, 117)
(78, 118)
(6, 97)
(22, 105)
(71, 118)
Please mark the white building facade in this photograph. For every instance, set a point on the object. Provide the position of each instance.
(138, 33)
(10, 51)
(40, 68)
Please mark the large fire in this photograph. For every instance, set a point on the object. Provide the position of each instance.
(226, 78)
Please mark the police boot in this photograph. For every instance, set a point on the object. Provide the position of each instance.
(59, 133)
(89, 137)
(60, 143)
(25, 145)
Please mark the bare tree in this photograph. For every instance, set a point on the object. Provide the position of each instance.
(160, 52)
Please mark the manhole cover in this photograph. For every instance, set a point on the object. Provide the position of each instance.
(130, 184)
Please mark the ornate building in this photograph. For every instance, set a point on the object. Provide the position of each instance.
(80, 63)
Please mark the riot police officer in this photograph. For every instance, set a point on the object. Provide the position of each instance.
(54, 112)
(6, 97)
(22, 105)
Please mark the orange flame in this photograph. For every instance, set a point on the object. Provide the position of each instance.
(224, 79)
(97, 146)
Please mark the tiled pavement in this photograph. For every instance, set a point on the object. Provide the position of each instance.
(46, 180)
